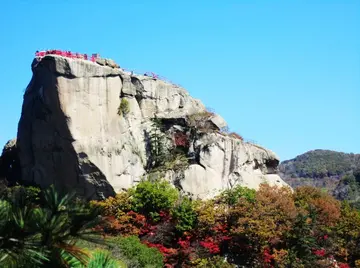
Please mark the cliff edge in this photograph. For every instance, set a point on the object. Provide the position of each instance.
(98, 130)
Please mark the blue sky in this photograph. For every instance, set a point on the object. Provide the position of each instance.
(285, 74)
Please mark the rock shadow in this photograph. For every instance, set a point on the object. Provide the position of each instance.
(46, 145)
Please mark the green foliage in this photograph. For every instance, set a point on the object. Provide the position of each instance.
(138, 254)
(103, 259)
(157, 148)
(213, 262)
(124, 107)
(300, 238)
(149, 198)
(185, 215)
(29, 194)
(232, 196)
(176, 162)
(320, 164)
(348, 188)
(44, 236)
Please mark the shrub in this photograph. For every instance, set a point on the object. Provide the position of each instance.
(136, 253)
(213, 262)
(103, 259)
(232, 196)
(24, 194)
(124, 107)
(176, 162)
(185, 215)
(304, 194)
(150, 198)
(114, 206)
(181, 140)
(200, 121)
(209, 214)
(268, 218)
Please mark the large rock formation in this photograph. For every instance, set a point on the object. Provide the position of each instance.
(88, 127)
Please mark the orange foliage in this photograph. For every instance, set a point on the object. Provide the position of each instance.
(130, 223)
(268, 218)
(327, 209)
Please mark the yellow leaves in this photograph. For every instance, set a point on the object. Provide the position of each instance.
(269, 217)
(280, 257)
(114, 206)
(326, 207)
(209, 214)
(304, 194)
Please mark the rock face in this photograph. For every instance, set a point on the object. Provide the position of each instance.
(86, 127)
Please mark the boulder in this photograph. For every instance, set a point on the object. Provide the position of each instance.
(71, 134)
(218, 121)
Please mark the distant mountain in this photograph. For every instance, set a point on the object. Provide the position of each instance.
(336, 172)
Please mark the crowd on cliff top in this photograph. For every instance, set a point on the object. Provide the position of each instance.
(69, 54)
(95, 57)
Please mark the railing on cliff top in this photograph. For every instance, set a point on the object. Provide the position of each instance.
(68, 54)
(93, 58)
(153, 75)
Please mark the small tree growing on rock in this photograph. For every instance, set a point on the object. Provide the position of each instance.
(124, 107)
(158, 152)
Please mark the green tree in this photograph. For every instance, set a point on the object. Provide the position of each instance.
(149, 198)
(158, 152)
(232, 196)
(44, 236)
(124, 107)
(300, 239)
(185, 215)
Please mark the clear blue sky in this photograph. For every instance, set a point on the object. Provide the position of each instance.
(285, 74)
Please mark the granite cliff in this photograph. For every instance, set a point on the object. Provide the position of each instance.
(94, 129)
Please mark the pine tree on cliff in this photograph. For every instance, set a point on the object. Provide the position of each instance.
(156, 145)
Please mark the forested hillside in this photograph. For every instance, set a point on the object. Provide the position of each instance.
(336, 172)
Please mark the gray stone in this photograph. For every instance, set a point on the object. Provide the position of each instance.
(218, 121)
(101, 61)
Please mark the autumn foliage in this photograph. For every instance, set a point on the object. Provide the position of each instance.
(271, 227)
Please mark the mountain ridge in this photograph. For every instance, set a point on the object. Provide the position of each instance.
(336, 172)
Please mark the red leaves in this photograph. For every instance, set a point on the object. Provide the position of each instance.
(181, 139)
(211, 245)
(164, 250)
(184, 244)
(267, 257)
(130, 223)
(319, 252)
(165, 216)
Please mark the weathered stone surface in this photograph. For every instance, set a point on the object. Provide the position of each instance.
(218, 121)
(70, 133)
(111, 63)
